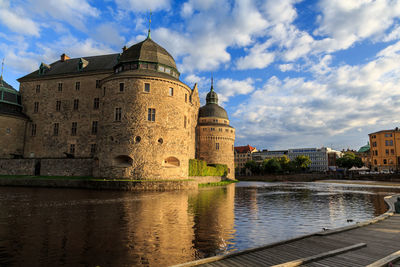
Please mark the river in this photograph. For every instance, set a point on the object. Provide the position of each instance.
(70, 227)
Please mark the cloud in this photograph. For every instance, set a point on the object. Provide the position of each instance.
(107, 33)
(335, 103)
(19, 23)
(144, 6)
(228, 88)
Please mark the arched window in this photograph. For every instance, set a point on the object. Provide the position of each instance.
(171, 162)
(375, 162)
(384, 161)
(123, 161)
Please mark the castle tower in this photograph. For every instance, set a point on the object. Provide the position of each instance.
(215, 137)
(149, 117)
(12, 122)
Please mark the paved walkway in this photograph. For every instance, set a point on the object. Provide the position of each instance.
(353, 246)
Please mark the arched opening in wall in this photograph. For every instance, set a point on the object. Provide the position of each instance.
(171, 162)
(123, 161)
(229, 170)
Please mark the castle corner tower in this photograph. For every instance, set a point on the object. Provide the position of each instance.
(215, 137)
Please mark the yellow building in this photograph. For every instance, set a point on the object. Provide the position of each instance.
(385, 150)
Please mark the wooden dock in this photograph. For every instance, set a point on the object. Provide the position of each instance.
(373, 243)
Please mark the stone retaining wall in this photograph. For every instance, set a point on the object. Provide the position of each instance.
(17, 166)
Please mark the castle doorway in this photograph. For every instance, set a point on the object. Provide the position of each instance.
(37, 168)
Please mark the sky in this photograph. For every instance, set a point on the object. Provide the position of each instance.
(290, 73)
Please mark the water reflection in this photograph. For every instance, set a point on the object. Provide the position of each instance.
(82, 227)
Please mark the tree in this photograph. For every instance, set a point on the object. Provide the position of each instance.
(253, 166)
(271, 166)
(302, 162)
(349, 160)
(284, 161)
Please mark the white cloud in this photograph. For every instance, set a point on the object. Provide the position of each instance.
(108, 33)
(18, 22)
(144, 6)
(227, 88)
(286, 67)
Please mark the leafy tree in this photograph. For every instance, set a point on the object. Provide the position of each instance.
(284, 161)
(349, 160)
(271, 166)
(302, 162)
(253, 166)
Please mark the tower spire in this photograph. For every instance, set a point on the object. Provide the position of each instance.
(149, 33)
(212, 82)
(2, 69)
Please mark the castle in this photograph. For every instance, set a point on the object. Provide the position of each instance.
(127, 115)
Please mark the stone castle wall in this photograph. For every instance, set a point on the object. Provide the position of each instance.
(216, 143)
(12, 133)
(45, 143)
(138, 147)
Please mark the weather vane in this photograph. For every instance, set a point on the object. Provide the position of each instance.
(212, 82)
(2, 68)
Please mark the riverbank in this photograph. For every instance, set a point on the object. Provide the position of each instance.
(86, 182)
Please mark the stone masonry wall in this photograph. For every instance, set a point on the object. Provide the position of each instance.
(12, 131)
(17, 166)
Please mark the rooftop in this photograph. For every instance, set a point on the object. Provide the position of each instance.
(244, 149)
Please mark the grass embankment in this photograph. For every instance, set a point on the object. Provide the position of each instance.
(83, 178)
(222, 183)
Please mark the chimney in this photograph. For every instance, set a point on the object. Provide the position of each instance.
(124, 48)
(64, 57)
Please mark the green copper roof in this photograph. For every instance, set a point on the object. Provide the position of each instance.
(364, 149)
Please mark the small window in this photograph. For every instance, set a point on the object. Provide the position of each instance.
(217, 146)
(121, 87)
(147, 87)
(76, 104)
(388, 135)
(171, 91)
(58, 105)
(33, 129)
(93, 148)
(375, 162)
(184, 121)
(77, 86)
(384, 161)
(185, 98)
(97, 83)
(204, 129)
(160, 141)
(118, 114)
(94, 127)
(190, 98)
(38, 88)
(151, 114)
(220, 129)
(387, 151)
(60, 87)
(212, 129)
(104, 91)
(56, 128)
(73, 128)
(72, 149)
(96, 103)
(138, 139)
(392, 151)
(36, 107)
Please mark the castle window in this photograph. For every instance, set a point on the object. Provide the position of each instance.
(160, 141)
(121, 87)
(217, 146)
(388, 135)
(185, 98)
(77, 86)
(123, 161)
(147, 87)
(72, 149)
(151, 114)
(384, 161)
(97, 83)
(33, 129)
(387, 151)
(104, 91)
(96, 103)
(212, 129)
(184, 121)
(392, 151)
(171, 91)
(375, 162)
(138, 139)
(220, 129)
(94, 127)
(74, 128)
(55, 128)
(171, 162)
(36, 107)
(190, 98)
(60, 86)
(76, 104)
(388, 142)
(93, 148)
(161, 68)
(118, 114)
(38, 88)
(58, 105)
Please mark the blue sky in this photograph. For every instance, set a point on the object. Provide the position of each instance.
(290, 73)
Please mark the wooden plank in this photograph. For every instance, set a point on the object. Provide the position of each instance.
(320, 256)
(386, 260)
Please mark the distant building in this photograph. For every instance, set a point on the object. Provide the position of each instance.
(260, 156)
(385, 150)
(365, 154)
(321, 158)
(242, 155)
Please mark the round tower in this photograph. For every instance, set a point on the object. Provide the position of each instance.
(215, 137)
(12, 122)
(149, 117)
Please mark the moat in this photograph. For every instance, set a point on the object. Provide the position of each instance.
(70, 227)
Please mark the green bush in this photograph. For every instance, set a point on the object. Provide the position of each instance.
(200, 168)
